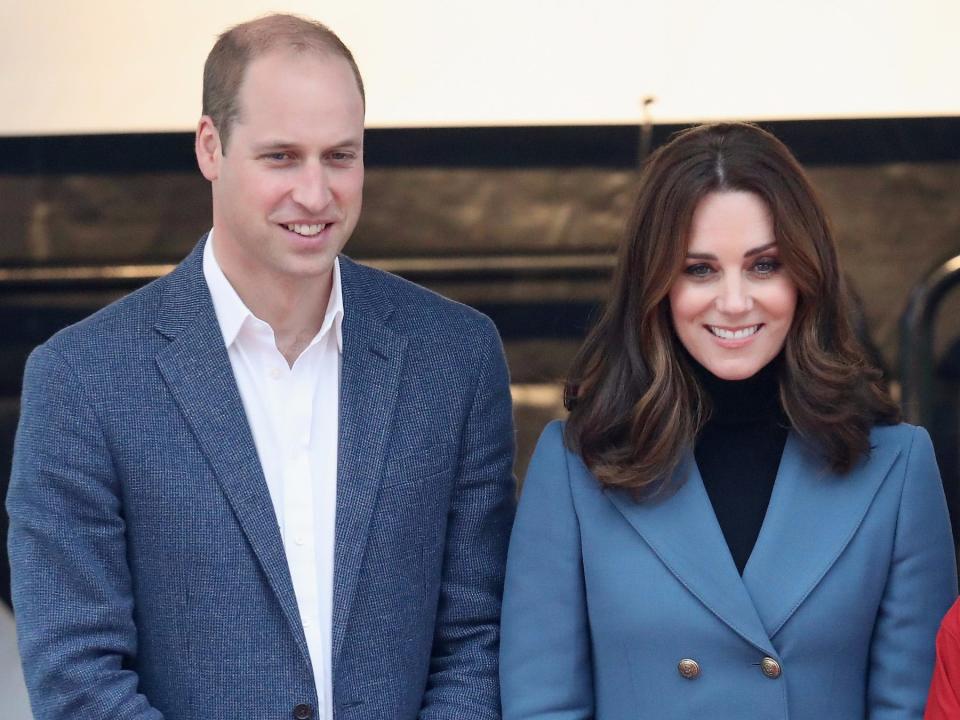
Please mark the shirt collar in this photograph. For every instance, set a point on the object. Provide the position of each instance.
(232, 312)
(334, 315)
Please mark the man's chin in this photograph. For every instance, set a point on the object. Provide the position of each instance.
(305, 267)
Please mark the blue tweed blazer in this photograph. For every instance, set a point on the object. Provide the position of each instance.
(149, 576)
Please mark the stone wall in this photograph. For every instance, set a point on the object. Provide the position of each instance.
(893, 222)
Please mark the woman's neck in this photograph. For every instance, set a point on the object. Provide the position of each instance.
(753, 399)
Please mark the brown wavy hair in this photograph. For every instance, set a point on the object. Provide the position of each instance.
(635, 403)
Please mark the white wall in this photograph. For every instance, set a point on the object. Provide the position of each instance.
(15, 704)
(80, 66)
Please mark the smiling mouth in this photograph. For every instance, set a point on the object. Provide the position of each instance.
(306, 230)
(739, 334)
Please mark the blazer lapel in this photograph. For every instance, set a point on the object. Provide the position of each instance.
(369, 382)
(682, 530)
(812, 516)
(197, 371)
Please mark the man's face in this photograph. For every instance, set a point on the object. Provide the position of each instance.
(287, 189)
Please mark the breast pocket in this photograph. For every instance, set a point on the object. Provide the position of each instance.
(416, 466)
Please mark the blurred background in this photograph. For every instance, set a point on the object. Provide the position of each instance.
(502, 153)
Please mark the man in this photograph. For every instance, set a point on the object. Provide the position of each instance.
(274, 483)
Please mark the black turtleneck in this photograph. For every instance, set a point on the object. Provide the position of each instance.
(738, 453)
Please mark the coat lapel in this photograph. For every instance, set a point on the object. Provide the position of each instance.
(682, 530)
(812, 516)
(372, 360)
(197, 371)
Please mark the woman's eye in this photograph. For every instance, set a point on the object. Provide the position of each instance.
(700, 270)
(766, 266)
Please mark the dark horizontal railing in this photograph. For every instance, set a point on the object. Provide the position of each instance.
(487, 267)
(814, 142)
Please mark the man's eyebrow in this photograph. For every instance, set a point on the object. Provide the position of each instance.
(749, 253)
(352, 143)
(281, 144)
(273, 145)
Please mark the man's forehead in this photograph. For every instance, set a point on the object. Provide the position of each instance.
(275, 61)
(286, 96)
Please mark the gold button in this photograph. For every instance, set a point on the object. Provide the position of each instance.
(770, 668)
(689, 669)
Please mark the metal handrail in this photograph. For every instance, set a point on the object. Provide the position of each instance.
(573, 265)
(916, 341)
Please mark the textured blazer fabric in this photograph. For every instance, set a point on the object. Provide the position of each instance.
(834, 617)
(149, 576)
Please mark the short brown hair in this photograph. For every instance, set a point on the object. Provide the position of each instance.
(635, 401)
(227, 62)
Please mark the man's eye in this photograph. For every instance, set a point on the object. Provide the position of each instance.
(277, 156)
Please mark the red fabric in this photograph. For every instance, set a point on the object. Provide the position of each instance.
(944, 700)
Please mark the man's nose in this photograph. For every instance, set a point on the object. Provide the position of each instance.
(312, 187)
(735, 297)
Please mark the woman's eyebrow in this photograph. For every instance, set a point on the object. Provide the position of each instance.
(748, 253)
(762, 248)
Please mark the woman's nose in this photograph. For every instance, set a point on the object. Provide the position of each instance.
(734, 297)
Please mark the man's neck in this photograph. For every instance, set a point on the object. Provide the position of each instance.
(293, 307)
(295, 314)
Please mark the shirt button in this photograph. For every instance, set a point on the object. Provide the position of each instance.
(306, 622)
(770, 668)
(275, 375)
(302, 712)
(299, 540)
(690, 669)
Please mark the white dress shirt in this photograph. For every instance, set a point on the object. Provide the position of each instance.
(293, 415)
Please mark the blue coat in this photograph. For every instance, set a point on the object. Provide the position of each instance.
(842, 594)
(149, 575)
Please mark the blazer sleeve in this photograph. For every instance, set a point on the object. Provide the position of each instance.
(71, 583)
(921, 586)
(545, 659)
(463, 678)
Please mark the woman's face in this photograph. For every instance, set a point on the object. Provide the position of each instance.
(733, 302)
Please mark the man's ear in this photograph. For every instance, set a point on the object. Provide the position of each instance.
(208, 148)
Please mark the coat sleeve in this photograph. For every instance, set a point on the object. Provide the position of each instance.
(921, 586)
(463, 680)
(71, 583)
(545, 659)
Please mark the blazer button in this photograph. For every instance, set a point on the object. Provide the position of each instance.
(689, 669)
(770, 668)
(302, 712)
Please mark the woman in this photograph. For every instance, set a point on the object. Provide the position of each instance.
(731, 525)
